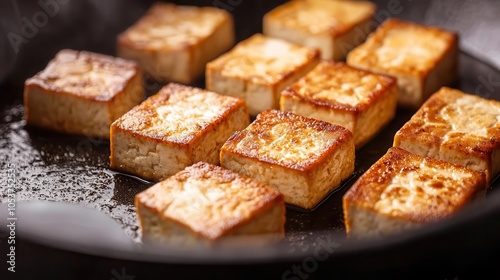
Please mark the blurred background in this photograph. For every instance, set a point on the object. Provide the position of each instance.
(33, 31)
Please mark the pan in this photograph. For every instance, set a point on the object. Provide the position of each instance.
(68, 202)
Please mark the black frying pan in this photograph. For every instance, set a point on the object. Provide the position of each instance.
(75, 214)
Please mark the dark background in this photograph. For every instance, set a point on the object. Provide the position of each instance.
(93, 25)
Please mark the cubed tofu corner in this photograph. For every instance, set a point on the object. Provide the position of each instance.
(333, 27)
(404, 191)
(358, 100)
(173, 129)
(174, 43)
(258, 69)
(303, 158)
(422, 58)
(206, 204)
(82, 93)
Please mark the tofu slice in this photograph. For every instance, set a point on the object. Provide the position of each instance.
(258, 69)
(403, 191)
(423, 58)
(173, 129)
(82, 93)
(206, 204)
(458, 128)
(358, 100)
(303, 158)
(334, 27)
(174, 43)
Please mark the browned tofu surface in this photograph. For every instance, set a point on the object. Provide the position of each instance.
(175, 128)
(174, 42)
(358, 100)
(403, 191)
(304, 158)
(81, 92)
(258, 69)
(333, 27)
(456, 127)
(422, 58)
(206, 202)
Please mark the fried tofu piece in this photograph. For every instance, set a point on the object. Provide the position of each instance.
(303, 158)
(404, 191)
(358, 100)
(204, 204)
(82, 93)
(334, 27)
(173, 129)
(174, 43)
(423, 58)
(258, 69)
(458, 128)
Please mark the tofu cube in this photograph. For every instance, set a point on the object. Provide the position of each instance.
(207, 204)
(173, 129)
(422, 58)
(303, 158)
(358, 100)
(82, 93)
(174, 43)
(258, 69)
(458, 128)
(404, 191)
(334, 27)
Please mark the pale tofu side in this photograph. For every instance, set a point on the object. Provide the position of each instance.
(302, 157)
(123, 102)
(422, 58)
(65, 113)
(265, 227)
(258, 69)
(82, 93)
(458, 128)
(175, 128)
(403, 191)
(207, 204)
(334, 27)
(361, 222)
(374, 119)
(358, 100)
(174, 43)
(146, 158)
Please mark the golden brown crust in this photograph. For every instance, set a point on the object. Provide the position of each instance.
(178, 114)
(424, 47)
(316, 17)
(166, 26)
(453, 120)
(263, 60)
(92, 76)
(338, 86)
(289, 140)
(209, 200)
(414, 188)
